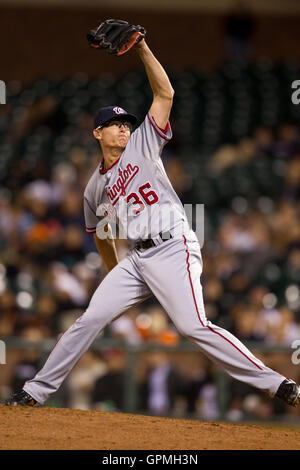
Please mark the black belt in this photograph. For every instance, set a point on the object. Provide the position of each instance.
(144, 244)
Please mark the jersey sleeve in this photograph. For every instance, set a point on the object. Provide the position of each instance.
(149, 139)
(90, 217)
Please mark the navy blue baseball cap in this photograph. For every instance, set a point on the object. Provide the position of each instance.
(113, 113)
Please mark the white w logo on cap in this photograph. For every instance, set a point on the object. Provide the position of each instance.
(119, 110)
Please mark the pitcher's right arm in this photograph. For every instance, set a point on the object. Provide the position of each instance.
(107, 250)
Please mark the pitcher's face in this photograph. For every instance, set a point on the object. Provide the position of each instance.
(114, 134)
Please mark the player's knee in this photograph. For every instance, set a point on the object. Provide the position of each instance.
(190, 331)
(94, 318)
(185, 330)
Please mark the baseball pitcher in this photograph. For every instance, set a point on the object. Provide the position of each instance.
(130, 190)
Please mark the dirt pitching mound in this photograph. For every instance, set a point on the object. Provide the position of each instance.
(47, 428)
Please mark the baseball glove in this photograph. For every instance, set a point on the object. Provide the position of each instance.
(116, 36)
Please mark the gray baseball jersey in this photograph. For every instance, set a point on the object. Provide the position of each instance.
(135, 191)
(170, 269)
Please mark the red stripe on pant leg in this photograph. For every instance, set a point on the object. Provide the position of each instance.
(217, 333)
(189, 273)
(195, 302)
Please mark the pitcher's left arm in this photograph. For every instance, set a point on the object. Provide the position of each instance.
(160, 84)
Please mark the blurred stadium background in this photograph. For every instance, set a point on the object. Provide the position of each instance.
(235, 149)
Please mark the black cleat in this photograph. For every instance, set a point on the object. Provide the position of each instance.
(21, 398)
(289, 392)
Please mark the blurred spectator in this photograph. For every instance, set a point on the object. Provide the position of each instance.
(213, 291)
(287, 141)
(161, 386)
(285, 330)
(8, 314)
(154, 326)
(263, 137)
(25, 369)
(67, 287)
(224, 157)
(40, 191)
(71, 249)
(109, 388)
(200, 391)
(256, 406)
(291, 188)
(292, 266)
(209, 409)
(125, 328)
(63, 176)
(34, 333)
(257, 295)
(82, 379)
(245, 323)
(177, 175)
(70, 208)
(284, 223)
(243, 234)
(227, 155)
(46, 312)
(247, 403)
